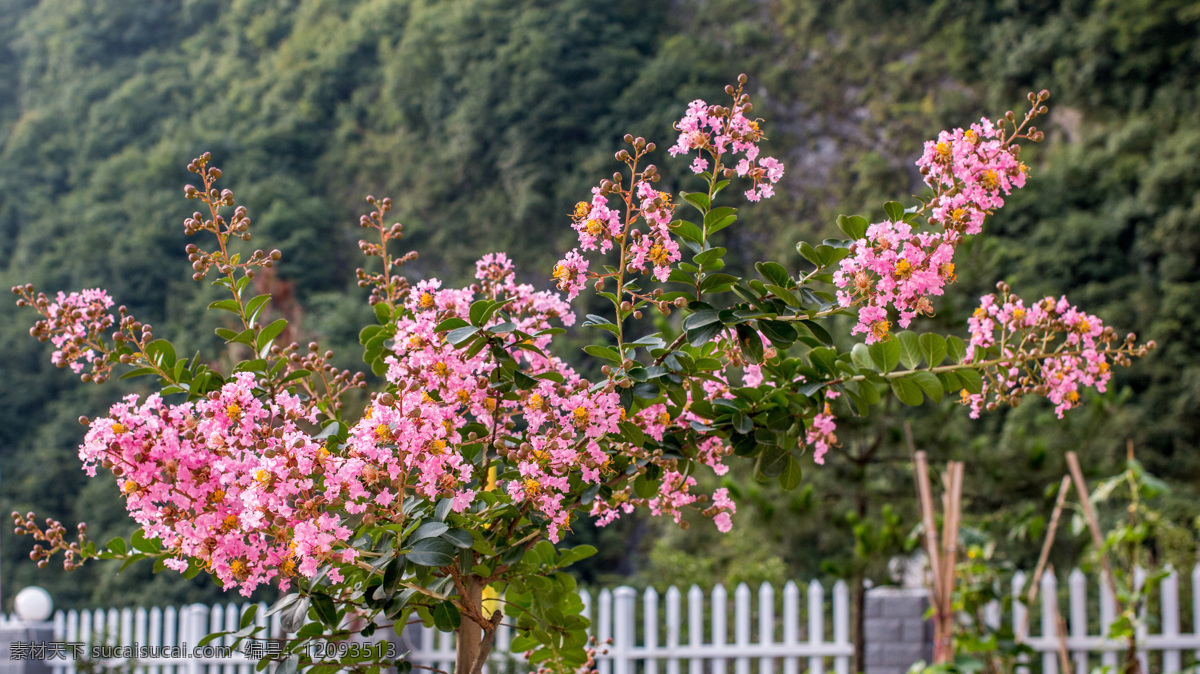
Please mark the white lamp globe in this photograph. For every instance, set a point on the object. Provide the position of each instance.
(33, 605)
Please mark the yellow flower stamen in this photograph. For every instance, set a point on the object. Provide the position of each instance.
(233, 411)
(881, 330)
(426, 301)
(991, 180)
(536, 402)
(580, 416)
(582, 209)
(118, 429)
(532, 487)
(942, 149)
(658, 255)
(903, 269)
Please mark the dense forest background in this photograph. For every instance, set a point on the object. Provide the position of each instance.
(485, 120)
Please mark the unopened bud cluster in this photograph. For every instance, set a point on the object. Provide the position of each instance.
(54, 536)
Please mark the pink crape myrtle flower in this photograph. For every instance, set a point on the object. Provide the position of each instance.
(897, 267)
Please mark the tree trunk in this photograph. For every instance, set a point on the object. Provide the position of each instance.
(470, 634)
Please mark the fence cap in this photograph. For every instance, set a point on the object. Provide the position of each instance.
(33, 604)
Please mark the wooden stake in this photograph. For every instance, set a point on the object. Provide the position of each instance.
(1093, 523)
(925, 493)
(1047, 542)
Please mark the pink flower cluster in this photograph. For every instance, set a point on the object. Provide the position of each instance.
(656, 247)
(72, 321)
(231, 481)
(1049, 348)
(897, 266)
(821, 435)
(715, 130)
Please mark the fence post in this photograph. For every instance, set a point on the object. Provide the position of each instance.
(1078, 589)
(841, 625)
(197, 622)
(650, 629)
(766, 625)
(1169, 593)
(695, 626)
(623, 622)
(816, 624)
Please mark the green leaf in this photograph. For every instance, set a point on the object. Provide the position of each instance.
(433, 552)
(885, 355)
(450, 324)
(950, 381)
(143, 544)
(956, 348)
(894, 210)
(908, 391)
(255, 307)
(700, 335)
(459, 335)
(781, 333)
(478, 312)
(326, 611)
(459, 538)
(713, 282)
(709, 256)
(383, 313)
(162, 353)
(972, 381)
(910, 350)
(697, 199)
(771, 462)
(809, 253)
(446, 617)
(701, 318)
(117, 546)
(933, 349)
(645, 487)
(790, 478)
(860, 355)
(719, 218)
(270, 332)
(819, 332)
(774, 273)
(929, 383)
(854, 226)
(229, 305)
(750, 342)
(687, 231)
(605, 352)
(428, 530)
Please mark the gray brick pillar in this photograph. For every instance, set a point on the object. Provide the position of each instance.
(32, 638)
(895, 630)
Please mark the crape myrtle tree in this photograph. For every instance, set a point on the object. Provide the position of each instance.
(444, 500)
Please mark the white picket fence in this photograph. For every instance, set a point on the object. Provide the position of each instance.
(1163, 649)
(706, 633)
(707, 642)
